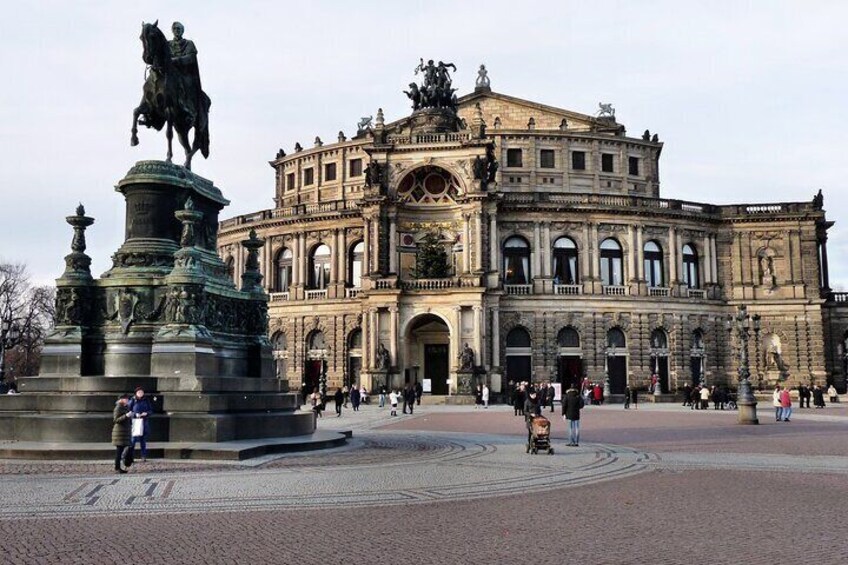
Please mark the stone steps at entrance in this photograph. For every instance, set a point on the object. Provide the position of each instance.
(450, 400)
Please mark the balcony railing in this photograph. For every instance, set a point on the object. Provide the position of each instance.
(696, 293)
(385, 284)
(616, 290)
(518, 289)
(320, 294)
(278, 296)
(841, 297)
(659, 291)
(568, 289)
(352, 292)
(428, 284)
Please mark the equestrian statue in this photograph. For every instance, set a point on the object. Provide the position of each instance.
(172, 95)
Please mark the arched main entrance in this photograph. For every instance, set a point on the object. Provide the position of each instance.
(315, 370)
(570, 358)
(616, 359)
(428, 353)
(518, 355)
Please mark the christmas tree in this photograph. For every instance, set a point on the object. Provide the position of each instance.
(431, 261)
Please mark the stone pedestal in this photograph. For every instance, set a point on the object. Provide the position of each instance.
(465, 382)
(166, 317)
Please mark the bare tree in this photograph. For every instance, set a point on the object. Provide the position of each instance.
(30, 310)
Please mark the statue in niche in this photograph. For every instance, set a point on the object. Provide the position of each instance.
(383, 357)
(767, 277)
(466, 358)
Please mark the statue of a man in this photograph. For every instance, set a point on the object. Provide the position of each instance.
(184, 58)
(466, 358)
(383, 358)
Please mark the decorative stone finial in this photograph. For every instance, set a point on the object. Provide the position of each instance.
(342, 137)
(380, 120)
(482, 82)
(281, 153)
(297, 147)
(77, 263)
(655, 138)
(80, 210)
(318, 142)
(647, 135)
(251, 279)
(563, 125)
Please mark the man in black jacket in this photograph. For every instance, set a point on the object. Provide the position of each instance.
(531, 409)
(551, 396)
(572, 403)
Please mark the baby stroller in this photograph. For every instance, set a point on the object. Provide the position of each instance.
(539, 437)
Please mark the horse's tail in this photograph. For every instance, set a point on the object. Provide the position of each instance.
(201, 134)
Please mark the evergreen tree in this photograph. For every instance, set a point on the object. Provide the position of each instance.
(432, 260)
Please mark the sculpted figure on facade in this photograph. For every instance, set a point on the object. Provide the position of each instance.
(466, 358)
(482, 77)
(383, 357)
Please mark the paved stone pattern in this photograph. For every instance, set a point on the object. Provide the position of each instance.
(453, 485)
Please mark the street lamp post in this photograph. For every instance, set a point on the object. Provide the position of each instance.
(745, 397)
(609, 353)
(9, 336)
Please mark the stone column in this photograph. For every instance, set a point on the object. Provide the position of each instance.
(708, 261)
(585, 255)
(295, 261)
(672, 255)
(537, 251)
(496, 338)
(714, 258)
(374, 330)
(478, 335)
(494, 243)
(466, 244)
(366, 253)
(393, 345)
(634, 254)
(367, 354)
(375, 240)
(596, 250)
(640, 247)
(334, 267)
(825, 273)
(393, 245)
(546, 244)
(342, 257)
(478, 241)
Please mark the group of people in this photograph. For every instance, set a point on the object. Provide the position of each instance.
(817, 394)
(130, 426)
(699, 397)
(519, 393)
(410, 395)
(481, 396)
(534, 402)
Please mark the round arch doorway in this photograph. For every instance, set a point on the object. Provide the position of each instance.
(428, 353)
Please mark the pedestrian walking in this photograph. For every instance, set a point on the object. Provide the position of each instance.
(687, 395)
(785, 404)
(572, 403)
(121, 428)
(634, 393)
(317, 402)
(393, 401)
(518, 400)
(627, 397)
(419, 390)
(141, 409)
(531, 408)
(478, 397)
(346, 393)
(485, 396)
(355, 398)
(339, 397)
(775, 401)
(408, 398)
(382, 396)
(705, 398)
(597, 395)
(818, 397)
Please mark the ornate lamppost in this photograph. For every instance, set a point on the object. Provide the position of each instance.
(10, 335)
(745, 400)
(610, 352)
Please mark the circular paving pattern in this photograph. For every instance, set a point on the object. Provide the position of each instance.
(384, 468)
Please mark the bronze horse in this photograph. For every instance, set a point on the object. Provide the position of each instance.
(170, 99)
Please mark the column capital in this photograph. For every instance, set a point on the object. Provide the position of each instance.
(394, 309)
(476, 308)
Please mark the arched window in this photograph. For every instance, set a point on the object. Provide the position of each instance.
(354, 267)
(658, 339)
(283, 278)
(316, 341)
(612, 273)
(697, 340)
(690, 267)
(565, 261)
(516, 258)
(518, 337)
(568, 337)
(615, 338)
(319, 264)
(653, 264)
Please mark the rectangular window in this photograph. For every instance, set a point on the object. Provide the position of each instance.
(330, 171)
(513, 158)
(606, 163)
(633, 166)
(308, 176)
(546, 159)
(578, 160)
(290, 181)
(356, 167)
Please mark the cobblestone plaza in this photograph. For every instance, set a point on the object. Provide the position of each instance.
(454, 485)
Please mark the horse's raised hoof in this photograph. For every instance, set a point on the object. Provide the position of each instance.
(133, 141)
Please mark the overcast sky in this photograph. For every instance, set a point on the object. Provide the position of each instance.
(751, 98)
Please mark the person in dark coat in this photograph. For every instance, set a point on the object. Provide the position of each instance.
(355, 398)
(141, 408)
(551, 396)
(518, 401)
(687, 395)
(408, 398)
(627, 397)
(572, 403)
(818, 401)
(634, 397)
(478, 397)
(339, 397)
(531, 409)
(419, 390)
(121, 429)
